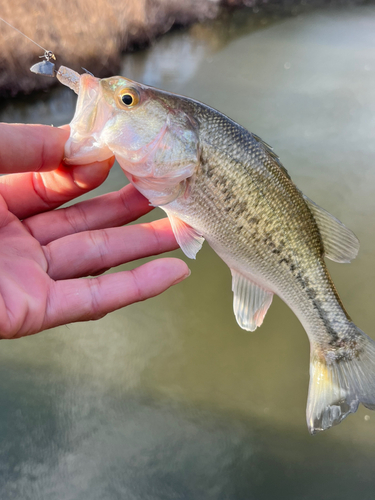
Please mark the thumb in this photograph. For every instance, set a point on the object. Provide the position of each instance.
(90, 176)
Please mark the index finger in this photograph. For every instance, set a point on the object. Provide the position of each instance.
(30, 148)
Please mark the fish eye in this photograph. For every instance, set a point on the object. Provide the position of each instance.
(128, 98)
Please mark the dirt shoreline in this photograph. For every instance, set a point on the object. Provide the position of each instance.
(87, 33)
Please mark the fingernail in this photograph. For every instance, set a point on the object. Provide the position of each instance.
(182, 278)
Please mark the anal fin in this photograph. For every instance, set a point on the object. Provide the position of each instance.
(250, 301)
(187, 237)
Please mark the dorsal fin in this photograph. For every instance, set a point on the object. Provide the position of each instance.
(340, 243)
(272, 153)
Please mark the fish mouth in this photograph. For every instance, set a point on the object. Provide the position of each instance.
(84, 145)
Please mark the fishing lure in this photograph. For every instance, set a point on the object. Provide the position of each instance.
(46, 67)
(65, 75)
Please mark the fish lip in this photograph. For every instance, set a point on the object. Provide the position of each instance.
(84, 145)
(91, 157)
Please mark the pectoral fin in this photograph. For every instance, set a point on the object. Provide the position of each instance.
(340, 244)
(187, 237)
(250, 301)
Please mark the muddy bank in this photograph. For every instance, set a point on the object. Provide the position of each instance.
(87, 33)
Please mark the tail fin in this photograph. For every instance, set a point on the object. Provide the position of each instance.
(340, 380)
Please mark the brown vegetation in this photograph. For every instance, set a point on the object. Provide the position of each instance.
(89, 33)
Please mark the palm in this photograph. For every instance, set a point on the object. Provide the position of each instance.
(24, 282)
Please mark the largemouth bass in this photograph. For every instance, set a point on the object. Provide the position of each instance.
(218, 182)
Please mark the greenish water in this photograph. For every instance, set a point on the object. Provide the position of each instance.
(170, 399)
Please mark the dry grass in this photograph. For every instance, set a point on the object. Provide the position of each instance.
(89, 33)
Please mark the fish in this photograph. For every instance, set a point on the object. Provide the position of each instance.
(218, 182)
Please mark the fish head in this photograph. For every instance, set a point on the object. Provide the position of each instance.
(154, 139)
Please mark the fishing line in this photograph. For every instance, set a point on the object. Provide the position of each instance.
(45, 50)
(46, 67)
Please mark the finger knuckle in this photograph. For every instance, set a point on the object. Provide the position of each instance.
(137, 290)
(95, 306)
(40, 189)
(76, 218)
(100, 241)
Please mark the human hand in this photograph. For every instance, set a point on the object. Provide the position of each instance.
(44, 251)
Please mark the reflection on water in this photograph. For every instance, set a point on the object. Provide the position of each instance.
(170, 399)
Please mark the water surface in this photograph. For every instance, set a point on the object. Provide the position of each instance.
(170, 399)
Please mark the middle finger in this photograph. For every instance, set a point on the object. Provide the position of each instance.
(109, 210)
(90, 252)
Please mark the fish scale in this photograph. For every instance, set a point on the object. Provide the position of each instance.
(248, 247)
(217, 181)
